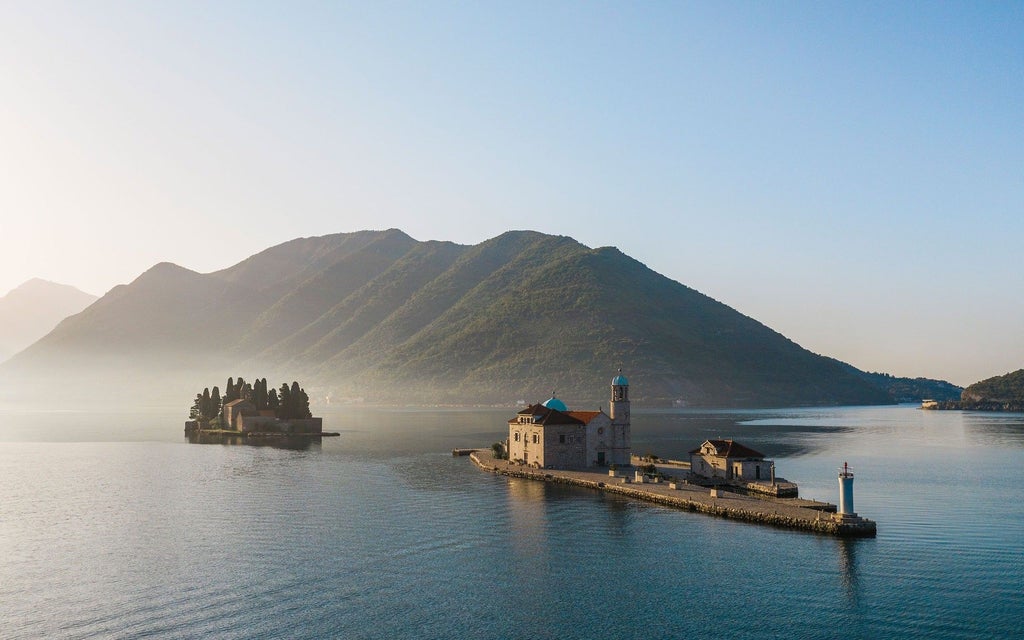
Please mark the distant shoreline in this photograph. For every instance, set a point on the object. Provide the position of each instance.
(990, 406)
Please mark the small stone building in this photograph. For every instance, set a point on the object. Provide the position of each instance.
(549, 435)
(730, 460)
(235, 410)
(242, 415)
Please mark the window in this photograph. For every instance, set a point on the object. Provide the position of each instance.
(535, 439)
(517, 436)
(561, 438)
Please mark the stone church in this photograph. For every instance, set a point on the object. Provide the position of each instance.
(549, 435)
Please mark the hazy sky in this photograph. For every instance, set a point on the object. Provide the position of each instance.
(850, 174)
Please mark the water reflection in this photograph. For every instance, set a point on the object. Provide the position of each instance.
(776, 433)
(847, 555)
(988, 429)
(291, 443)
(528, 514)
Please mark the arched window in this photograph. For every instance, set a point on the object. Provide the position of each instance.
(517, 436)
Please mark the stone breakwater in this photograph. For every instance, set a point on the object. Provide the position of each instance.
(804, 515)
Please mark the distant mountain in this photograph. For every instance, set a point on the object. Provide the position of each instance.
(999, 393)
(32, 310)
(380, 316)
(909, 389)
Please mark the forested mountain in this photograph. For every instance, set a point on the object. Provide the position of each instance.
(910, 389)
(30, 311)
(999, 393)
(383, 317)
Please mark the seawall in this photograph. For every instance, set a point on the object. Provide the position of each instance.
(803, 515)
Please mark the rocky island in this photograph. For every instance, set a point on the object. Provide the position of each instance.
(253, 411)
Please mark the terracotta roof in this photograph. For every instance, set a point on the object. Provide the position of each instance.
(730, 449)
(585, 416)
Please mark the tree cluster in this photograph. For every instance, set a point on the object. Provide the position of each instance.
(207, 405)
(286, 403)
(293, 402)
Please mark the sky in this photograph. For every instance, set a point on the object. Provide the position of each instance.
(849, 174)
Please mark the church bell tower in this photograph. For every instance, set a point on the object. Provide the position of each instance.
(619, 410)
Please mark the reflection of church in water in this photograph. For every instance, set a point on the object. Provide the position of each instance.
(549, 435)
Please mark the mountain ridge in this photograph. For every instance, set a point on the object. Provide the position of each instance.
(34, 308)
(384, 317)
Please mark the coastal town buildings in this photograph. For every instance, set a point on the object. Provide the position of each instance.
(549, 435)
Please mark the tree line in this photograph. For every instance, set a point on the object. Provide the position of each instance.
(287, 402)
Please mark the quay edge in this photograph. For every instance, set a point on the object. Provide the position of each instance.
(694, 499)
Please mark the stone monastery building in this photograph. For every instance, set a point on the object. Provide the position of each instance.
(549, 435)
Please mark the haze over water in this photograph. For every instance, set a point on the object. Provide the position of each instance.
(114, 526)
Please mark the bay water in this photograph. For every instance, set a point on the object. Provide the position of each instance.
(114, 526)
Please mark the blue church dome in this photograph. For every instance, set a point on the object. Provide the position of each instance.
(620, 380)
(555, 403)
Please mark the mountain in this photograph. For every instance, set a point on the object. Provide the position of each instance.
(909, 389)
(999, 393)
(30, 311)
(381, 316)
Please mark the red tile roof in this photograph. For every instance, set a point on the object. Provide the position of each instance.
(585, 416)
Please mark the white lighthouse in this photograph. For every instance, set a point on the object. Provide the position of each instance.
(846, 512)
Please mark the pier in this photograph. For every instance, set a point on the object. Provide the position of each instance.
(789, 513)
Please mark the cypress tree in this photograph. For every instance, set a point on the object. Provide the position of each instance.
(260, 393)
(215, 404)
(302, 405)
(272, 402)
(284, 402)
(295, 407)
(205, 409)
(195, 412)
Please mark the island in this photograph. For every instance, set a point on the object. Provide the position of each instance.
(254, 410)
(549, 442)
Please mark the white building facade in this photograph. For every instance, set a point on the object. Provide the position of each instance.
(549, 435)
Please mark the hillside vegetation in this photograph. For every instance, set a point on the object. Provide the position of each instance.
(380, 316)
(999, 393)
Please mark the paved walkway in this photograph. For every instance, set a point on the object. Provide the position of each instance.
(794, 513)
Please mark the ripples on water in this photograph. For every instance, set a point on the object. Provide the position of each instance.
(381, 534)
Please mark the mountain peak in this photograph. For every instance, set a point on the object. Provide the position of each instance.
(163, 271)
(32, 309)
(39, 286)
(377, 314)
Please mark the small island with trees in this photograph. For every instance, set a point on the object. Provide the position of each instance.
(254, 410)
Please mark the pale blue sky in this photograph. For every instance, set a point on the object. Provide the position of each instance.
(852, 175)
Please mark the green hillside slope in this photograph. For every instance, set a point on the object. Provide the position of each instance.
(378, 315)
(999, 393)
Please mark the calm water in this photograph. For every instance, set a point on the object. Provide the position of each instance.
(114, 527)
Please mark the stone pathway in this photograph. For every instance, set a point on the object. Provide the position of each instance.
(794, 513)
